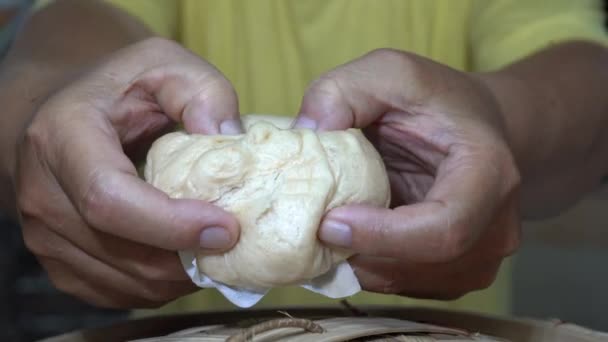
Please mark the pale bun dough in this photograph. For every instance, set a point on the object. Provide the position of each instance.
(279, 183)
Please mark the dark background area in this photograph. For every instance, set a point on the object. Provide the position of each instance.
(30, 307)
(560, 271)
(561, 268)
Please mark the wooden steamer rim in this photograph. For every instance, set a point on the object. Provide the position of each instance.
(514, 329)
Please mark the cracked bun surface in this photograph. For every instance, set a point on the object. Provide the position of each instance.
(279, 183)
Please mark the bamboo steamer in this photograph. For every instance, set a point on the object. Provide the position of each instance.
(349, 324)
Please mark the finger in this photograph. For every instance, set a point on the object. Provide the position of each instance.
(195, 93)
(103, 186)
(66, 280)
(449, 282)
(162, 73)
(136, 259)
(58, 214)
(358, 93)
(444, 226)
(64, 257)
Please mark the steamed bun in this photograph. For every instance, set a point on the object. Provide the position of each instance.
(279, 183)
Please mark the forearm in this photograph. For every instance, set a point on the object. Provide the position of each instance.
(56, 44)
(556, 114)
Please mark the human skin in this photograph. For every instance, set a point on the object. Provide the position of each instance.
(467, 153)
(77, 116)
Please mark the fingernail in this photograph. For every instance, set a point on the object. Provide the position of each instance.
(215, 238)
(304, 122)
(336, 233)
(231, 127)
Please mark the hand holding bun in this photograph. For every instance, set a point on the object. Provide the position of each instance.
(279, 183)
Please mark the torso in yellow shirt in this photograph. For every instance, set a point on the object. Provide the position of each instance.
(271, 49)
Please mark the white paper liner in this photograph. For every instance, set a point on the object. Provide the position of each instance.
(339, 282)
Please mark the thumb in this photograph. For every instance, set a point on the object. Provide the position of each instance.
(419, 232)
(358, 93)
(462, 202)
(104, 187)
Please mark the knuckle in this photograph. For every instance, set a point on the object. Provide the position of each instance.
(389, 55)
(34, 134)
(512, 174)
(156, 44)
(27, 204)
(500, 163)
(401, 62)
(155, 273)
(97, 198)
(510, 178)
(327, 87)
(33, 243)
(512, 242)
(507, 235)
(481, 280)
(35, 208)
(403, 70)
(30, 143)
(35, 240)
(216, 86)
(454, 242)
(513, 179)
(27, 196)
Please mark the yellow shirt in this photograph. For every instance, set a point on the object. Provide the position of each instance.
(271, 49)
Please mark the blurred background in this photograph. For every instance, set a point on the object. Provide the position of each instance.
(560, 271)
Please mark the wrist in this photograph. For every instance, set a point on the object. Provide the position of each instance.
(513, 97)
(533, 131)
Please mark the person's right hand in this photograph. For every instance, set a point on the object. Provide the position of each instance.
(101, 232)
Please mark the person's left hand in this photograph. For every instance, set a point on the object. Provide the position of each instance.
(454, 181)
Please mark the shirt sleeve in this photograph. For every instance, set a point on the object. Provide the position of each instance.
(503, 31)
